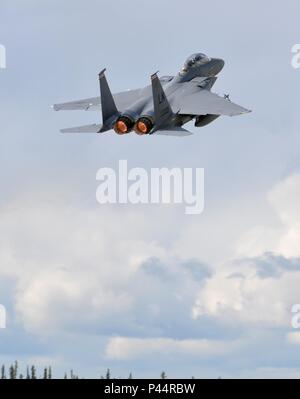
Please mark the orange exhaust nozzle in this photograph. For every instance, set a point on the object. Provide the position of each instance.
(143, 126)
(120, 127)
(123, 125)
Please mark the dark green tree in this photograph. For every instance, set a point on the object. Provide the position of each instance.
(3, 375)
(16, 366)
(11, 372)
(163, 375)
(73, 376)
(33, 373)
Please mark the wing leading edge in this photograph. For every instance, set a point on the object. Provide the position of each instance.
(205, 102)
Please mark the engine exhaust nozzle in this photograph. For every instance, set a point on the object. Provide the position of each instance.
(123, 125)
(143, 125)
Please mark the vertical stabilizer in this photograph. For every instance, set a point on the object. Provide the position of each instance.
(162, 108)
(108, 105)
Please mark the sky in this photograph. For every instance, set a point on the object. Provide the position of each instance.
(146, 288)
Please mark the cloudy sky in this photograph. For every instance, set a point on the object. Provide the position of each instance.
(148, 288)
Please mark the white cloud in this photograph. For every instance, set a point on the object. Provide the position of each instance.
(259, 286)
(283, 238)
(129, 348)
(94, 269)
(71, 265)
(241, 292)
(60, 300)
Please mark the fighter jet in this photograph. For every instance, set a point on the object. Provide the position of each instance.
(162, 107)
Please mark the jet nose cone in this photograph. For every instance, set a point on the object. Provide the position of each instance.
(217, 65)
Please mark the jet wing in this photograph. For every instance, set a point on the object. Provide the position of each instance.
(205, 102)
(123, 100)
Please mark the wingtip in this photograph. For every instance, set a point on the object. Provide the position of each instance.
(244, 111)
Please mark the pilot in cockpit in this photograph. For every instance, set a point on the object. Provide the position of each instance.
(193, 61)
(200, 64)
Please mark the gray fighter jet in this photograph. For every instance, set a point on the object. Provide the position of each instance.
(162, 107)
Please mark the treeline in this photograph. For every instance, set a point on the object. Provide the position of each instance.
(13, 373)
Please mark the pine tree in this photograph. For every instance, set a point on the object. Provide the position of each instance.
(27, 373)
(33, 373)
(108, 374)
(163, 375)
(3, 376)
(49, 373)
(16, 370)
(45, 377)
(11, 372)
(130, 376)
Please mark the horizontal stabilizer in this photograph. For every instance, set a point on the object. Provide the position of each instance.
(174, 131)
(86, 105)
(83, 129)
(123, 100)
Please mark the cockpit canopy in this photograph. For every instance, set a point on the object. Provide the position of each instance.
(195, 60)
